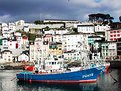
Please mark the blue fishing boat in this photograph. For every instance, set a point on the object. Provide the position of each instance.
(80, 76)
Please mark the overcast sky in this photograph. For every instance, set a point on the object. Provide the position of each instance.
(31, 10)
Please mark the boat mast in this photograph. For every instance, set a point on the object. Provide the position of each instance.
(42, 58)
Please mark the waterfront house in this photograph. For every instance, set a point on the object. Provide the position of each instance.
(7, 56)
(39, 49)
(23, 57)
(113, 34)
(55, 48)
(95, 46)
(74, 42)
(109, 50)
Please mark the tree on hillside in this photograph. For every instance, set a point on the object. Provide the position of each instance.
(46, 28)
(38, 22)
(31, 37)
(99, 17)
(120, 18)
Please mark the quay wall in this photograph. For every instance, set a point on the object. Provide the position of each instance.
(115, 64)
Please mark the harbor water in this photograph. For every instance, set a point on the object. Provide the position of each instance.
(110, 81)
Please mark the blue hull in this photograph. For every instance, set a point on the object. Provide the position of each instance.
(88, 75)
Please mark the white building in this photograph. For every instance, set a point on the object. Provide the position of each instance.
(109, 50)
(11, 26)
(20, 22)
(54, 32)
(39, 50)
(71, 41)
(86, 28)
(75, 46)
(48, 37)
(4, 26)
(7, 56)
(68, 23)
(57, 38)
(92, 28)
(101, 28)
(23, 57)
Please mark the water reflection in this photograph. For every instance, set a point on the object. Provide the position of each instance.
(6, 84)
(105, 82)
(110, 81)
(24, 86)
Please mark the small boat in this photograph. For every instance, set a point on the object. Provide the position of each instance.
(29, 68)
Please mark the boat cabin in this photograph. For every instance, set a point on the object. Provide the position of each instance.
(53, 65)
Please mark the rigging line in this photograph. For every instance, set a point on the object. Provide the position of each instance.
(13, 78)
(112, 77)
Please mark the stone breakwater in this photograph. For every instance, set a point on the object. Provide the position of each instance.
(16, 66)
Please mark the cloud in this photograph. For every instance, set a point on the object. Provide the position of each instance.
(5, 18)
(31, 10)
(113, 7)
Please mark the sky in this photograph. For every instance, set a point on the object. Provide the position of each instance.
(31, 10)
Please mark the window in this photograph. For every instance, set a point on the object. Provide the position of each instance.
(114, 31)
(111, 39)
(49, 62)
(118, 35)
(114, 38)
(118, 31)
(114, 35)
(8, 59)
(52, 63)
(59, 48)
(106, 46)
(103, 47)
(110, 54)
(111, 35)
(106, 54)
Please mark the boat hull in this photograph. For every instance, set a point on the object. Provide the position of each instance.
(82, 76)
(107, 67)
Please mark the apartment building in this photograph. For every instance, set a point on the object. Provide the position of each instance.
(113, 34)
(109, 50)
